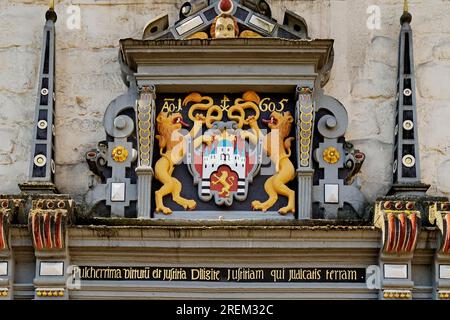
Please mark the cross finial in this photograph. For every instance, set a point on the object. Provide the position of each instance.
(51, 5)
(405, 6)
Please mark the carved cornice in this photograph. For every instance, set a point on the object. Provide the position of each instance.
(47, 221)
(226, 51)
(439, 214)
(400, 224)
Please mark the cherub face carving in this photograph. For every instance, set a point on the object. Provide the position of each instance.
(225, 28)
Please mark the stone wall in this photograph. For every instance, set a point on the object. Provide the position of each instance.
(88, 78)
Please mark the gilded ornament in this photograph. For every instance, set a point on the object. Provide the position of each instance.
(249, 34)
(172, 150)
(331, 155)
(285, 171)
(198, 35)
(120, 154)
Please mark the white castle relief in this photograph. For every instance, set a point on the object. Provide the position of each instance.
(226, 150)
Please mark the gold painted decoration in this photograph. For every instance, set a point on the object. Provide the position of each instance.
(250, 100)
(397, 294)
(144, 114)
(306, 119)
(249, 34)
(226, 177)
(331, 155)
(172, 148)
(277, 145)
(119, 154)
(198, 35)
(213, 112)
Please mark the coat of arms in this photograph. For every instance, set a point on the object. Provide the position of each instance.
(226, 156)
(224, 168)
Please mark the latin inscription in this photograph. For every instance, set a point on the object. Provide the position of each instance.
(221, 274)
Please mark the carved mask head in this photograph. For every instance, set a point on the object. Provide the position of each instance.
(224, 26)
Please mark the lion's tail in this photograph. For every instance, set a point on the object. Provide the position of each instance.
(162, 143)
(287, 145)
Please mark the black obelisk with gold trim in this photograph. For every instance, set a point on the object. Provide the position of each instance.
(42, 165)
(406, 163)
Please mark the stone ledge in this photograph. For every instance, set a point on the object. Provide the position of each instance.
(298, 224)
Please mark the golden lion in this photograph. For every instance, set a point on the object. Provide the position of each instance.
(172, 148)
(277, 145)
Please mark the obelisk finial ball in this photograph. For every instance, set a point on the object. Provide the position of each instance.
(406, 16)
(51, 14)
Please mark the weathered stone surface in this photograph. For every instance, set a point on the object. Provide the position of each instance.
(377, 81)
(442, 50)
(81, 134)
(433, 80)
(443, 183)
(21, 25)
(371, 120)
(79, 173)
(88, 78)
(19, 67)
(376, 173)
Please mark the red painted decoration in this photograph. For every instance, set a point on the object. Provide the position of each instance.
(446, 247)
(2, 234)
(230, 184)
(37, 232)
(225, 5)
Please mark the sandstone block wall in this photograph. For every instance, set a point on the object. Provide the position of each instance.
(87, 78)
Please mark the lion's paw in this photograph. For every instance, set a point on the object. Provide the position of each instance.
(257, 205)
(164, 210)
(285, 210)
(190, 205)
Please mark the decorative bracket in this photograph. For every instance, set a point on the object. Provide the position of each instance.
(47, 221)
(399, 223)
(439, 215)
(333, 156)
(114, 160)
(10, 208)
